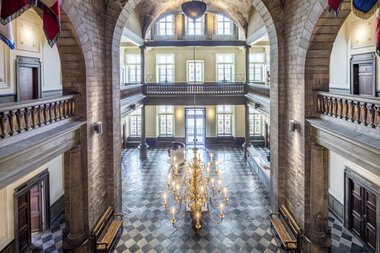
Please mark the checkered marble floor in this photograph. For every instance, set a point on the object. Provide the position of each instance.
(246, 227)
(342, 240)
(50, 240)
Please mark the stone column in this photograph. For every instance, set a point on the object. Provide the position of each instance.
(247, 142)
(143, 146)
(247, 63)
(318, 238)
(74, 201)
(142, 52)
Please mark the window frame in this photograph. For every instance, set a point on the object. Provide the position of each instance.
(252, 124)
(188, 62)
(225, 63)
(163, 21)
(136, 65)
(252, 68)
(159, 65)
(165, 114)
(135, 116)
(223, 23)
(191, 22)
(223, 113)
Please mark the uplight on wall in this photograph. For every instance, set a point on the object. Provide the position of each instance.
(293, 125)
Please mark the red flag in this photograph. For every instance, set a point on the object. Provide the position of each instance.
(11, 9)
(378, 32)
(51, 19)
(334, 6)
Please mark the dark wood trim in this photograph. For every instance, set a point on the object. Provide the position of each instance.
(8, 98)
(198, 43)
(30, 62)
(367, 58)
(22, 189)
(10, 248)
(350, 175)
(336, 208)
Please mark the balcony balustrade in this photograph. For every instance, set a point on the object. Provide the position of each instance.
(16, 118)
(357, 109)
(227, 89)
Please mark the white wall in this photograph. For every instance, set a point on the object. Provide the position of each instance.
(30, 41)
(55, 168)
(356, 36)
(337, 165)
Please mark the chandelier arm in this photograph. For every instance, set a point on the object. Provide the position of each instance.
(210, 216)
(177, 225)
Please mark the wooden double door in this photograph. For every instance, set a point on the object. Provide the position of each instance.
(362, 211)
(31, 215)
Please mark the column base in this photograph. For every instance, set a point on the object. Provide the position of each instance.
(143, 151)
(75, 241)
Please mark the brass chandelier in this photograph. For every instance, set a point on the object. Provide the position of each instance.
(195, 188)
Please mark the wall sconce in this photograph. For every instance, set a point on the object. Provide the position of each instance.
(293, 125)
(98, 127)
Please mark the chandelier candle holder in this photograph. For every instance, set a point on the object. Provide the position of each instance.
(195, 188)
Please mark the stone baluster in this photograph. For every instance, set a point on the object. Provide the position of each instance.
(345, 109)
(351, 110)
(12, 122)
(319, 104)
(329, 106)
(51, 112)
(377, 107)
(20, 120)
(364, 113)
(3, 124)
(56, 111)
(325, 105)
(335, 107)
(371, 112)
(357, 112)
(72, 111)
(46, 114)
(340, 108)
(61, 106)
(35, 110)
(28, 118)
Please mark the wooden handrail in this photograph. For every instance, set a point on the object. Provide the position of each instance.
(19, 117)
(358, 109)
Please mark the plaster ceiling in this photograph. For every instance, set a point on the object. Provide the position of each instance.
(150, 10)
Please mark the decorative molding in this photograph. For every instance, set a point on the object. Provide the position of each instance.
(339, 90)
(336, 208)
(133, 37)
(57, 209)
(363, 35)
(256, 36)
(362, 180)
(28, 37)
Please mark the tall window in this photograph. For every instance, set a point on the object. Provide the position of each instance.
(225, 67)
(194, 28)
(166, 26)
(165, 68)
(257, 67)
(224, 25)
(195, 71)
(133, 68)
(224, 119)
(255, 123)
(135, 124)
(166, 120)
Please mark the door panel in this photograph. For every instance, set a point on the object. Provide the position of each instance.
(195, 118)
(370, 219)
(356, 212)
(36, 208)
(23, 212)
(26, 83)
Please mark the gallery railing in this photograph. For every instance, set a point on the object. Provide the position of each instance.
(16, 118)
(228, 89)
(353, 108)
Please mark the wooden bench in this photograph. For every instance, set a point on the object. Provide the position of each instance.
(107, 231)
(287, 229)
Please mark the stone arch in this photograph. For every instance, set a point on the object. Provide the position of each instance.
(273, 16)
(313, 62)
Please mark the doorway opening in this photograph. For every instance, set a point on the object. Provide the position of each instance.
(195, 126)
(28, 78)
(31, 201)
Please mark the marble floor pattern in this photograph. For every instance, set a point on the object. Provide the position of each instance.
(147, 228)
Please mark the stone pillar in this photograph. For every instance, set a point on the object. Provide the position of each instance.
(318, 238)
(142, 52)
(143, 146)
(247, 63)
(74, 201)
(247, 142)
